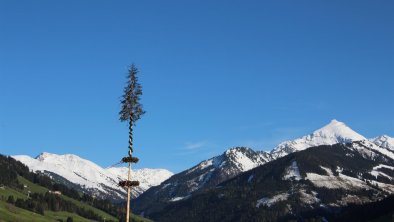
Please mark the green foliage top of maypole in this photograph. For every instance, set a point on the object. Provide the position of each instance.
(132, 109)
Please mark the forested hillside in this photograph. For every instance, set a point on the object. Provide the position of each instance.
(332, 182)
(27, 196)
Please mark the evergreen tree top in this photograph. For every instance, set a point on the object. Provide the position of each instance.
(131, 106)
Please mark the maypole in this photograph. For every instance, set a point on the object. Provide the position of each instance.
(131, 111)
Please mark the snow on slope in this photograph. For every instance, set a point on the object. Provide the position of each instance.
(147, 177)
(292, 172)
(89, 175)
(334, 132)
(205, 175)
(243, 161)
(376, 171)
(335, 182)
(239, 159)
(71, 167)
(271, 201)
(384, 141)
(364, 145)
(343, 181)
(229, 164)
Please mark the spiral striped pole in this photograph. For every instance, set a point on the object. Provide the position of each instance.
(129, 159)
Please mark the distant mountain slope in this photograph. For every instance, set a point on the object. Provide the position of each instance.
(211, 172)
(146, 177)
(333, 133)
(318, 179)
(205, 175)
(76, 170)
(384, 141)
(87, 176)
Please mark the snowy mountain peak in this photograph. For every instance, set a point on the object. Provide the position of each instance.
(244, 158)
(334, 121)
(207, 174)
(333, 125)
(235, 150)
(237, 159)
(338, 131)
(332, 133)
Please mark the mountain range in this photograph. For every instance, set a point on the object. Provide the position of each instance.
(84, 175)
(160, 189)
(208, 174)
(314, 184)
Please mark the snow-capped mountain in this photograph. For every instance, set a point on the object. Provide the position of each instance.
(384, 141)
(205, 175)
(333, 133)
(209, 173)
(320, 179)
(238, 159)
(87, 176)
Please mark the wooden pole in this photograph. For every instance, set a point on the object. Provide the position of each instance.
(128, 196)
(129, 176)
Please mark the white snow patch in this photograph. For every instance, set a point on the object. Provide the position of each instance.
(375, 171)
(335, 182)
(206, 164)
(386, 187)
(292, 172)
(179, 198)
(215, 162)
(328, 170)
(308, 198)
(271, 201)
(383, 166)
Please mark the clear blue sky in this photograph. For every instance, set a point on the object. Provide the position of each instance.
(215, 74)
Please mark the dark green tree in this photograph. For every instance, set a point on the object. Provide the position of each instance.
(131, 107)
(11, 200)
(39, 209)
(69, 219)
